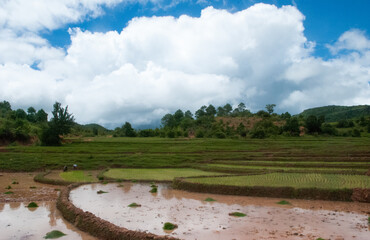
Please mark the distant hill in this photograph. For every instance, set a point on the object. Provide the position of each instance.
(336, 113)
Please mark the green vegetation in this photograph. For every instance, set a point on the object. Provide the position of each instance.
(32, 205)
(54, 234)
(8, 187)
(9, 192)
(209, 199)
(283, 202)
(295, 180)
(169, 226)
(134, 205)
(76, 176)
(337, 113)
(154, 190)
(15, 182)
(159, 174)
(237, 214)
(101, 192)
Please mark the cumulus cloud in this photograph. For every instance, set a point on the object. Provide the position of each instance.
(156, 65)
(351, 40)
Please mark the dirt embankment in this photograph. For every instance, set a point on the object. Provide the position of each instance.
(96, 226)
(360, 195)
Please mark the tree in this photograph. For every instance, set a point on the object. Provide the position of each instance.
(41, 116)
(270, 108)
(60, 124)
(4, 108)
(31, 114)
(200, 112)
(128, 131)
(188, 114)
(292, 126)
(211, 110)
(20, 114)
(313, 124)
(227, 109)
(168, 121)
(178, 116)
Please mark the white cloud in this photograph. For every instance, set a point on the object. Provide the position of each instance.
(159, 64)
(351, 40)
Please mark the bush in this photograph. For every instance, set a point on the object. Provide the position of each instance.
(220, 134)
(199, 134)
(258, 133)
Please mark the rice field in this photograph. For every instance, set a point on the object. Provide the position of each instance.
(158, 174)
(77, 176)
(295, 180)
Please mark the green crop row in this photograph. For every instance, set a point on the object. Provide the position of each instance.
(295, 180)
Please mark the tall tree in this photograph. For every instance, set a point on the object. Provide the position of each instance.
(60, 124)
(270, 108)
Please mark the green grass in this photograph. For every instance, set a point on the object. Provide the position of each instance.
(237, 214)
(54, 234)
(76, 176)
(169, 226)
(313, 180)
(209, 199)
(134, 205)
(154, 190)
(158, 174)
(228, 167)
(283, 202)
(101, 192)
(9, 192)
(32, 205)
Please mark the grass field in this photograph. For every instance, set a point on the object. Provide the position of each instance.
(241, 168)
(159, 174)
(77, 176)
(102, 152)
(325, 181)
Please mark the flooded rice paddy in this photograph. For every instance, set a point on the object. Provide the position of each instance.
(21, 223)
(199, 219)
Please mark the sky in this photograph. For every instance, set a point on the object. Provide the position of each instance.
(113, 61)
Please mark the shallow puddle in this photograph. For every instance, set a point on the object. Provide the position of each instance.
(19, 222)
(198, 219)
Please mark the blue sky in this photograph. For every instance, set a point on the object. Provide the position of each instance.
(109, 68)
(325, 20)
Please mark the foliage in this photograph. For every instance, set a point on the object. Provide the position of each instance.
(54, 234)
(60, 124)
(169, 226)
(134, 205)
(32, 205)
(209, 199)
(283, 202)
(337, 113)
(237, 214)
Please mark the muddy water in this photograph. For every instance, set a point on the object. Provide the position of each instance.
(19, 222)
(197, 219)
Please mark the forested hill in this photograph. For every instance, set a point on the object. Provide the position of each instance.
(336, 113)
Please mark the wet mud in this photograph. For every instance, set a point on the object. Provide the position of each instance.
(19, 222)
(199, 219)
(24, 189)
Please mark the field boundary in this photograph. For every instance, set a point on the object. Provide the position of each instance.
(96, 226)
(357, 194)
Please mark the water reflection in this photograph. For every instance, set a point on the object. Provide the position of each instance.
(17, 221)
(198, 219)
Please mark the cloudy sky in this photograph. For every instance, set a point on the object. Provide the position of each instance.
(113, 61)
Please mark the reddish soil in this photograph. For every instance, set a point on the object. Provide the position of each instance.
(26, 189)
(197, 219)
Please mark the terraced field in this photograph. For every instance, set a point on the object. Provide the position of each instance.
(161, 174)
(295, 180)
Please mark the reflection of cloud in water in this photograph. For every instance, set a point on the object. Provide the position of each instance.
(19, 222)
